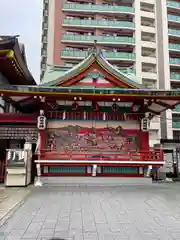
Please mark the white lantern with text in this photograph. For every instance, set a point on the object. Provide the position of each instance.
(145, 124)
(41, 121)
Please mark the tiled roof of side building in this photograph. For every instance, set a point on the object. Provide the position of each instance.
(13, 61)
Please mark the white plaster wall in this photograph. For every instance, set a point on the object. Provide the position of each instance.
(154, 137)
(169, 124)
(149, 1)
(163, 62)
(138, 39)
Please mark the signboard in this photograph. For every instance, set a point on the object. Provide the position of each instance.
(18, 133)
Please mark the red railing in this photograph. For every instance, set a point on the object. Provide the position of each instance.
(99, 116)
(149, 156)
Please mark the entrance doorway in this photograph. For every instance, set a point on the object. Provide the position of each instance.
(33, 166)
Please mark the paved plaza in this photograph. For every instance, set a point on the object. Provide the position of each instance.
(10, 198)
(136, 212)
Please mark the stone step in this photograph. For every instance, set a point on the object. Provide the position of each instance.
(94, 181)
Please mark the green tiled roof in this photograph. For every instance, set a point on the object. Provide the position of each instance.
(54, 75)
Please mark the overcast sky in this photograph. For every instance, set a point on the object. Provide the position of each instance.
(23, 17)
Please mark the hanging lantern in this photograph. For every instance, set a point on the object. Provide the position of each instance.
(96, 107)
(135, 108)
(85, 116)
(104, 116)
(75, 106)
(64, 115)
(145, 124)
(41, 121)
(115, 107)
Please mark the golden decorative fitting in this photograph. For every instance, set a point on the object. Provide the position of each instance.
(10, 54)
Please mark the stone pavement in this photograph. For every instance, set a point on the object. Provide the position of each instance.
(135, 212)
(9, 199)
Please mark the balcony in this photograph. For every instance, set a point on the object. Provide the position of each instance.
(177, 109)
(92, 8)
(174, 32)
(127, 70)
(174, 18)
(175, 47)
(108, 55)
(175, 76)
(98, 23)
(100, 39)
(174, 61)
(175, 124)
(98, 116)
(173, 4)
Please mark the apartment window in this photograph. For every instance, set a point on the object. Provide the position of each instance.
(148, 52)
(44, 52)
(147, 7)
(45, 39)
(149, 83)
(148, 37)
(71, 33)
(147, 67)
(45, 25)
(43, 66)
(45, 12)
(148, 22)
(176, 135)
(69, 64)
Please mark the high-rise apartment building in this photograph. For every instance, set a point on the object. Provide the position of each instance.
(140, 37)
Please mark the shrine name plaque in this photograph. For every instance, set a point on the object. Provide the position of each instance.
(18, 133)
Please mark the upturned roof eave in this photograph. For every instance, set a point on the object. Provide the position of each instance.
(95, 56)
(11, 43)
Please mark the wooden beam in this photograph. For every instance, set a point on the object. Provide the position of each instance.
(164, 104)
(17, 118)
